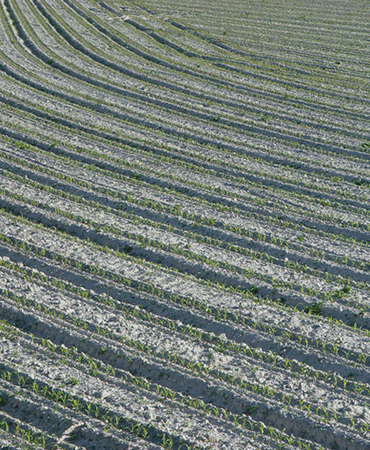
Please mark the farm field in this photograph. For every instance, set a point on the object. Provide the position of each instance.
(184, 225)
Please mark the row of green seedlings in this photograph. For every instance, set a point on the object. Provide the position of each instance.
(205, 221)
(94, 410)
(262, 390)
(15, 20)
(248, 199)
(254, 254)
(95, 369)
(274, 218)
(163, 393)
(143, 241)
(360, 263)
(226, 315)
(196, 167)
(103, 29)
(199, 368)
(175, 249)
(143, 82)
(166, 393)
(220, 345)
(106, 29)
(243, 179)
(71, 32)
(200, 38)
(129, 198)
(116, 231)
(132, 426)
(314, 308)
(171, 160)
(21, 430)
(359, 358)
(270, 62)
(192, 256)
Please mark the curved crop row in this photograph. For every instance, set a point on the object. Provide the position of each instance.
(184, 225)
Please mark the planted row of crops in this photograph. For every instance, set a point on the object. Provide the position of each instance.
(184, 238)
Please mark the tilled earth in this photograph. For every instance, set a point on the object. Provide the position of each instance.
(184, 225)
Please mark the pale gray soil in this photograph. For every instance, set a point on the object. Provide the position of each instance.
(184, 225)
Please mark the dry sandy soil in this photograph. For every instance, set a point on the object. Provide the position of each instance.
(184, 225)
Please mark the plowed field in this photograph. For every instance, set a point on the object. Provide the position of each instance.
(184, 225)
